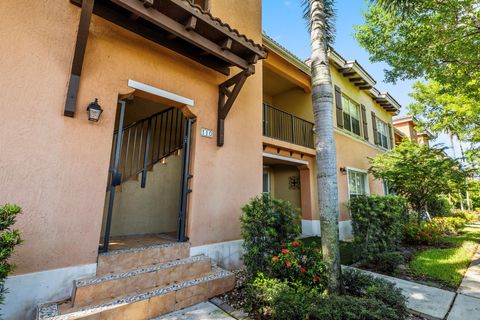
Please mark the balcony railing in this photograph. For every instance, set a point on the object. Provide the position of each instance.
(284, 126)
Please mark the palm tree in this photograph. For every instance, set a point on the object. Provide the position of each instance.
(320, 16)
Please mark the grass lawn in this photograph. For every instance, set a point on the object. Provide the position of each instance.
(448, 265)
(346, 248)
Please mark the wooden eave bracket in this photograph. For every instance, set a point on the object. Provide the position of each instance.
(227, 93)
(77, 63)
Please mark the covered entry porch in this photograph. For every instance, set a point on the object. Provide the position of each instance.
(289, 174)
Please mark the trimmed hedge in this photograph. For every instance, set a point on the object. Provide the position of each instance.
(377, 223)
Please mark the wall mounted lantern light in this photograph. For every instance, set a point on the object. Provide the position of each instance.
(343, 170)
(94, 111)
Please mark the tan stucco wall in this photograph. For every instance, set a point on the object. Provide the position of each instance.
(407, 128)
(153, 209)
(354, 155)
(56, 167)
(279, 178)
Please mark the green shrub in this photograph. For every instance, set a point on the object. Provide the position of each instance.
(366, 298)
(387, 261)
(421, 233)
(447, 225)
(439, 207)
(467, 216)
(377, 224)
(335, 307)
(266, 224)
(298, 263)
(9, 238)
(362, 284)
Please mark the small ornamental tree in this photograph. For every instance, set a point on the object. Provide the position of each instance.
(9, 238)
(418, 172)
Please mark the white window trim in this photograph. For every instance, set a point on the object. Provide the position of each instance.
(359, 117)
(386, 132)
(367, 180)
(269, 176)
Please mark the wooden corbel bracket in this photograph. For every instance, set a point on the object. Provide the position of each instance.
(227, 93)
(77, 63)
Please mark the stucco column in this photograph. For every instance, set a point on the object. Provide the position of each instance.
(306, 193)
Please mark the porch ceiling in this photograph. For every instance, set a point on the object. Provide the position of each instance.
(274, 84)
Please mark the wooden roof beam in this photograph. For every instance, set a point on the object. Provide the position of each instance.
(226, 44)
(365, 87)
(356, 79)
(349, 74)
(161, 20)
(191, 23)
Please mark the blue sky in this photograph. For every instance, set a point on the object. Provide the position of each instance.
(283, 21)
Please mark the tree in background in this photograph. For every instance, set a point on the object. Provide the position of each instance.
(9, 238)
(432, 39)
(457, 115)
(418, 172)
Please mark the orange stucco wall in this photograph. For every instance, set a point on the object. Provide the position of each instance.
(55, 167)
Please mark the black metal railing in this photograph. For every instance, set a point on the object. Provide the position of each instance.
(285, 126)
(146, 142)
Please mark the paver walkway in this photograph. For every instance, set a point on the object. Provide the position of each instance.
(429, 302)
(201, 311)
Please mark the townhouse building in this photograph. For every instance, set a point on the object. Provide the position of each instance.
(136, 129)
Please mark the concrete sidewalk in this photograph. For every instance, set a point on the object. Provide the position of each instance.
(467, 303)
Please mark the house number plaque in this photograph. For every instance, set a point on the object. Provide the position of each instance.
(204, 132)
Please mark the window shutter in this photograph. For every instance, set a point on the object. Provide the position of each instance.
(390, 136)
(338, 105)
(365, 123)
(374, 123)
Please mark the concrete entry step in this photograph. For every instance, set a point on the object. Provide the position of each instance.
(87, 291)
(127, 259)
(148, 304)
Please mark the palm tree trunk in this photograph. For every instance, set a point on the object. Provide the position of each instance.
(322, 102)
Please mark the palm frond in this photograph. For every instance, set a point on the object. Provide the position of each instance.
(329, 14)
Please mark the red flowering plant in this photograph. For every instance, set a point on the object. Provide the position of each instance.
(297, 263)
(423, 233)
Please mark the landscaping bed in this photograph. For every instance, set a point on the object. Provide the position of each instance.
(440, 265)
(237, 298)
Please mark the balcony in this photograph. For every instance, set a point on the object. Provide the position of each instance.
(281, 125)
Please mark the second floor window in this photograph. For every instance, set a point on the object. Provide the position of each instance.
(382, 133)
(351, 115)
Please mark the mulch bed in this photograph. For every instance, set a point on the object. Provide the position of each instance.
(237, 297)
